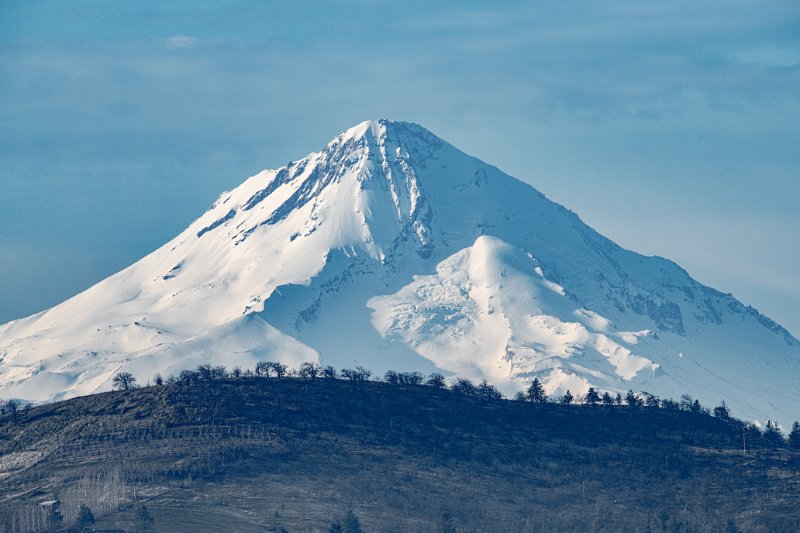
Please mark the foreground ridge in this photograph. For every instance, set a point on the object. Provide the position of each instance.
(398, 455)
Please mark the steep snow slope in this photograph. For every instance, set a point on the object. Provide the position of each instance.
(392, 249)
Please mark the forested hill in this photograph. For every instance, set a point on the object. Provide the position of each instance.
(291, 454)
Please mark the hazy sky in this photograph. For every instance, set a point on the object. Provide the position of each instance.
(673, 129)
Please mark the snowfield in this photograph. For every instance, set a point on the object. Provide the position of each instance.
(391, 249)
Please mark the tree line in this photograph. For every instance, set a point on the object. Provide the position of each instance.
(534, 393)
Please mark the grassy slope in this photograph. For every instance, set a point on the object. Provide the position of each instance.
(264, 454)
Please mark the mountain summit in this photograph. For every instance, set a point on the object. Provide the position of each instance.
(390, 248)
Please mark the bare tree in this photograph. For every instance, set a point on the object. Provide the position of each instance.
(279, 369)
(123, 381)
(464, 386)
(263, 368)
(309, 371)
(489, 392)
(435, 380)
(411, 378)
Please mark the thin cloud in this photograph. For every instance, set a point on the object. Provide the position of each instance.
(182, 41)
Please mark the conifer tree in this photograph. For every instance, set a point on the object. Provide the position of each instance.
(607, 399)
(567, 398)
(592, 398)
(536, 392)
(794, 436)
(721, 411)
(772, 433)
(631, 399)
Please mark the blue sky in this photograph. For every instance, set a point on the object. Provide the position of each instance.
(674, 129)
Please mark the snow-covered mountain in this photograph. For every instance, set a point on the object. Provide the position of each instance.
(392, 249)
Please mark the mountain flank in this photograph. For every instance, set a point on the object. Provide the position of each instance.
(430, 260)
(290, 454)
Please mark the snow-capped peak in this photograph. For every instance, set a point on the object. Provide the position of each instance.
(390, 248)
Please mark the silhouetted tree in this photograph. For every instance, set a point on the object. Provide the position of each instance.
(536, 392)
(631, 399)
(435, 380)
(158, 380)
(567, 398)
(721, 411)
(309, 371)
(329, 372)
(263, 368)
(85, 519)
(696, 407)
(607, 399)
(670, 404)
(391, 377)
(650, 400)
(410, 378)
(123, 381)
(488, 391)
(772, 433)
(359, 373)
(463, 386)
(520, 397)
(686, 402)
(618, 399)
(794, 436)
(362, 373)
(206, 372)
(592, 398)
(278, 368)
(236, 372)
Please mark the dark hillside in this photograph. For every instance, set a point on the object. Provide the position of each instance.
(257, 454)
